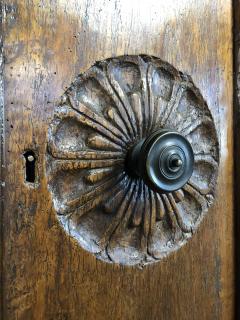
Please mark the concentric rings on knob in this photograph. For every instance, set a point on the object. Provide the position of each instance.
(164, 160)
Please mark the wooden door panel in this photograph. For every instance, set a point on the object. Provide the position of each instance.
(46, 274)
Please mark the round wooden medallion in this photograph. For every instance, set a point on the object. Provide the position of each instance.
(105, 112)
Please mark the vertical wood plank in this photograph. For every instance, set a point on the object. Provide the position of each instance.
(46, 275)
(236, 110)
(2, 162)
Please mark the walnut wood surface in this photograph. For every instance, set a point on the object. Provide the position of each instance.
(46, 275)
(236, 68)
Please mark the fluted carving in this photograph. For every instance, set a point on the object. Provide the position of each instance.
(102, 115)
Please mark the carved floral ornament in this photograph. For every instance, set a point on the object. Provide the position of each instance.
(104, 113)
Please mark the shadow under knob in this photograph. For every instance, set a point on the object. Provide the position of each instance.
(164, 160)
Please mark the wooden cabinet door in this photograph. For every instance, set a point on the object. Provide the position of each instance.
(82, 83)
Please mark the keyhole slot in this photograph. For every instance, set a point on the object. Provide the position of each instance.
(30, 166)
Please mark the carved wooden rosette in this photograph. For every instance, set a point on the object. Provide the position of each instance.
(102, 115)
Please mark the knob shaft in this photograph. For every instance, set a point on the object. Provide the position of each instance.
(164, 160)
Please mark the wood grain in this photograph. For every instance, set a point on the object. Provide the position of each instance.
(2, 163)
(46, 274)
(236, 123)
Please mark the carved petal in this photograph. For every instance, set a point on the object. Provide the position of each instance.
(124, 243)
(204, 173)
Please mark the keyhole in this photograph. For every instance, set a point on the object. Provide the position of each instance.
(30, 161)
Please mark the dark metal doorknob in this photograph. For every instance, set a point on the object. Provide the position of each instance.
(164, 160)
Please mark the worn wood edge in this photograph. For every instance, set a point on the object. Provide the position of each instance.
(236, 127)
(1, 155)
